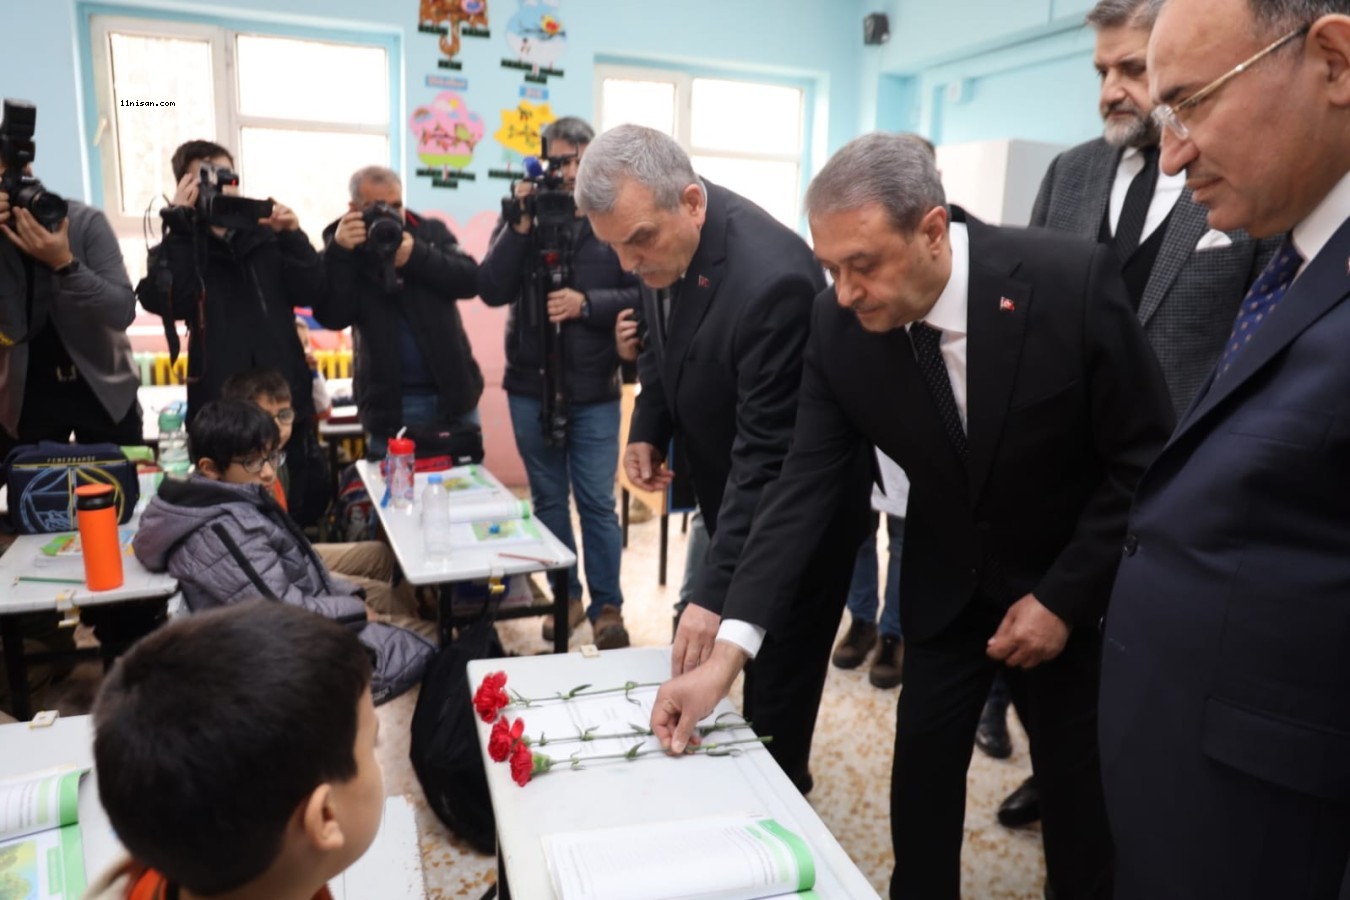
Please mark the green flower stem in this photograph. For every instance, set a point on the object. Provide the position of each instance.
(638, 731)
(722, 748)
(582, 691)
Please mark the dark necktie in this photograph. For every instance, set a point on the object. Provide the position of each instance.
(1266, 291)
(1137, 199)
(926, 340)
(663, 308)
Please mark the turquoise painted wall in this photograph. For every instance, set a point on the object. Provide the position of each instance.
(808, 41)
(970, 70)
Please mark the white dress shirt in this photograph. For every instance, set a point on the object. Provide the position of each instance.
(948, 315)
(1165, 194)
(1313, 233)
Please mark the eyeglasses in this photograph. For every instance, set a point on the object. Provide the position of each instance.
(1169, 116)
(285, 416)
(254, 464)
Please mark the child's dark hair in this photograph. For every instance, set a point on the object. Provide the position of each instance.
(257, 383)
(212, 731)
(195, 151)
(225, 430)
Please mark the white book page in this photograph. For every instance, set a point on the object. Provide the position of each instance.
(738, 858)
(39, 801)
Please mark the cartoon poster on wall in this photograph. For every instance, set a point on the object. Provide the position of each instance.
(537, 37)
(452, 19)
(519, 136)
(447, 132)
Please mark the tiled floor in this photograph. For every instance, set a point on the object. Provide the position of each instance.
(850, 759)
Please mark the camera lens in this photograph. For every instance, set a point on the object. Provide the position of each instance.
(48, 208)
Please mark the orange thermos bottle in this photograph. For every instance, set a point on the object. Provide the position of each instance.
(96, 512)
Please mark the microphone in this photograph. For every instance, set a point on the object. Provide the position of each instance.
(534, 169)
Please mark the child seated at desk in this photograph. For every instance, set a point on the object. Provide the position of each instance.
(370, 564)
(225, 539)
(236, 754)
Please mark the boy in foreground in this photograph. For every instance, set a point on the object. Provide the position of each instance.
(236, 752)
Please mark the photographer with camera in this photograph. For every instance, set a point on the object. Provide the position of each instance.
(234, 269)
(566, 289)
(65, 304)
(395, 277)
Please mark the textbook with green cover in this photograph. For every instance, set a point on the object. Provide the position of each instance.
(741, 857)
(41, 854)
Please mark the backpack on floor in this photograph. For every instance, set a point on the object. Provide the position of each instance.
(444, 747)
(352, 516)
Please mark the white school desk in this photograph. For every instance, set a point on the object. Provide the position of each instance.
(404, 530)
(390, 870)
(24, 559)
(653, 788)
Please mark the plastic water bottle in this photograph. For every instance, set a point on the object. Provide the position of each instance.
(400, 464)
(435, 520)
(173, 448)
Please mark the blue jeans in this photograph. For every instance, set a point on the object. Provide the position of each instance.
(420, 409)
(862, 592)
(587, 465)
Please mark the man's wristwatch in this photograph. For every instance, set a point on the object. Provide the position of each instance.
(585, 307)
(69, 268)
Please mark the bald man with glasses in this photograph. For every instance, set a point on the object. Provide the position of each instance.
(1225, 730)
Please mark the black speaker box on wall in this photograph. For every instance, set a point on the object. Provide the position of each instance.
(876, 29)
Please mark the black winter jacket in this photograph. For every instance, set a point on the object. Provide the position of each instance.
(254, 278)
(592, 363)
(437, 274)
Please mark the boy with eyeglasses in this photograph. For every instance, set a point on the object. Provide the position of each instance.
(371, 564)
(223, 536)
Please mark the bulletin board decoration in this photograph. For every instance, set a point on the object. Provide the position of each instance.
(537, 37)
(519, 136)
(453, 19)
(447, 133)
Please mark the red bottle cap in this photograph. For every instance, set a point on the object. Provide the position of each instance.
(401, 446)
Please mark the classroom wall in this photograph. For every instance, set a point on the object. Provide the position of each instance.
(809, 42)
(968, 70)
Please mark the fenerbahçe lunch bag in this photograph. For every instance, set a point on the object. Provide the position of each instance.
(42, 477)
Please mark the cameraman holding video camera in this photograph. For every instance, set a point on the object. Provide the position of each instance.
(233, 269)
(65, 304)
(566, 289)
(395, 277)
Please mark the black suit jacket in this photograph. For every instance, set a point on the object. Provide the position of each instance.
(1066, 406)
(724, 374)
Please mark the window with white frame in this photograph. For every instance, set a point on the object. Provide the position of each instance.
(745, 135)
(298, 115)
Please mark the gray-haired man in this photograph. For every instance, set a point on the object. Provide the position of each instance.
(398, 291)
(726, 299)
(1021, 465)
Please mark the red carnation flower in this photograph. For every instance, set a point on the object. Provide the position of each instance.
(504, 736)
(525, 764)
(522, 764)
(490, 696)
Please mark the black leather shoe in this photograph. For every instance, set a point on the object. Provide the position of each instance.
(888, 667)
(858, 641)
(1022, 806)
(992, 734)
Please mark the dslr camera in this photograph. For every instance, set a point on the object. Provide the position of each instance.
(384, 229)
(218, 208)
(16, 152)
(549, 204)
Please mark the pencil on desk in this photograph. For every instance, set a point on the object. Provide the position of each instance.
(35, 578)
(533, 559)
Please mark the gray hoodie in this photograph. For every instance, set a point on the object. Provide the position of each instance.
(225, 543)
